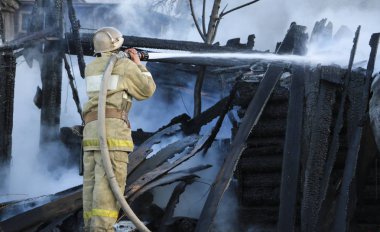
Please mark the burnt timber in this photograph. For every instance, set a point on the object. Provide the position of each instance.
(7, 83)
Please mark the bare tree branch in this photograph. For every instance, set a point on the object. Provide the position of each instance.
(195, 21)
(204, 17)
(224, 8)
(214, 17)
(217, 23)
(236, 8)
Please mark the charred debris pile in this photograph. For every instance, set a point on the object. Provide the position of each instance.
(301, 147)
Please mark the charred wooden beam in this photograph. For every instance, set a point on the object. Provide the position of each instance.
(238, 145)
(367, 159)
(334, 144)
(347, 194)
(51, 75)
(319, 142)
(75, 25)
(29, 39)
(30, 219)
(164, 168)
(139, 155)
(294, 42)
(182, 119)
(144, 42)
(186, 175)
(218, 124)
(73, 88)
(292, 152)
(170, 207)
(322, 32)
(194, 125)
(7, 85)
(161, 156)
(2, 29)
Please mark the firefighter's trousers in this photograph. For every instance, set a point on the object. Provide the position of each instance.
(100, 208)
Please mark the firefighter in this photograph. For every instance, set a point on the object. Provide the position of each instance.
(129, 80)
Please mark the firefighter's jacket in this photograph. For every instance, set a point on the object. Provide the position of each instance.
(128, 80)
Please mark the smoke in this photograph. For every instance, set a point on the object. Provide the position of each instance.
(270, 19)
(145, 18)
(267, 19)
(30, 173)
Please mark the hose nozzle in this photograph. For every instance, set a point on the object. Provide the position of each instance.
(143, 55)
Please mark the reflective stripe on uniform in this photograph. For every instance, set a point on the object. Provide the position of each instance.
(93, 82)
(100, 213)
(86, 214)
(147, 74)
(110, 142)
(105, 213)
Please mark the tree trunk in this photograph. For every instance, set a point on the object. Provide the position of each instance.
(214, 17)
(210, 36)
(198, 91)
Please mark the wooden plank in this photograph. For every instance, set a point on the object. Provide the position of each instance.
(139, 155)
(64, 205)
(28, 39)
(326, 202)
(164, 154)
(317, 154)
(222, 114)
(250, 119)
(144, 42)
(347, 192)
(7, 85)
(51, 77)
(184, 175)
(75, 26)
(164, 168)
(170, 207)
(194, 125)
(292, 152)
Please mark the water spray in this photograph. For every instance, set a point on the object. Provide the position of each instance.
(191, 57)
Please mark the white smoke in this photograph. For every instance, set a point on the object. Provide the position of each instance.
(270, 19)
(29, 174)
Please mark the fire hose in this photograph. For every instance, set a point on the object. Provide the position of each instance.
(104, 147)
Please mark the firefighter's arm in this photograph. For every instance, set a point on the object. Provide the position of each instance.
(139, 82)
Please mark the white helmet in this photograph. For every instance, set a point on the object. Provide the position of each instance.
(107, 39)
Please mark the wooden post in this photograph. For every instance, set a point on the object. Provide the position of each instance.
(7, 84)
(347, 194)
(318, 148)
(292, 152)
(51, 74)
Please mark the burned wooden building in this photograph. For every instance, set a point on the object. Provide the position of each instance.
(301, 148)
